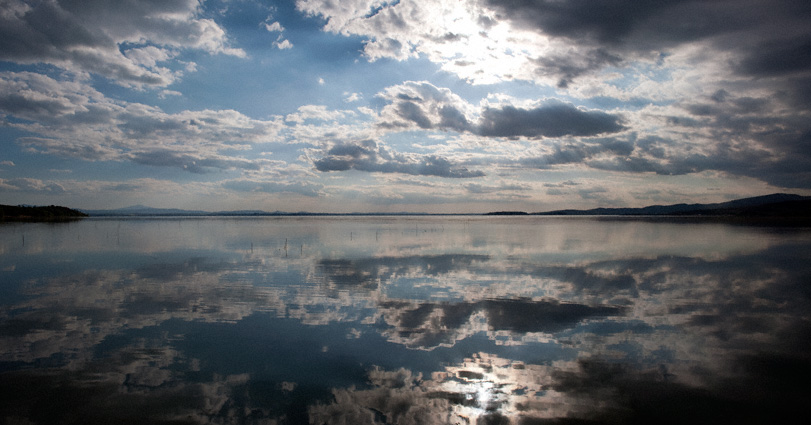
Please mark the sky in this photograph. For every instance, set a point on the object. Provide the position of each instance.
(439, 106)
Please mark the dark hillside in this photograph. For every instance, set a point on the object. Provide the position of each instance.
(49, 213)
(776, 205)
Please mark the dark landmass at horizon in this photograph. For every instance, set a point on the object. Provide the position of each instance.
(778, 205)
(35, 213)
(145, 211)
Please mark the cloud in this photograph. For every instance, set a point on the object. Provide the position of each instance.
(430, 107)
(166, 93)
(607, 21)
(480, 41)
(563, 184)
(122, 41)
(576, 152)
(553, 119)
(559, 43)
(778, 58)
(758, 137)
(72, 119)
(283, 44)
(757, 38)
(429, 325)
(444, 31)
(425, 105)
(30, 185)
(628, 25)
(193, 163)
(370, 273)
(352, 97)
(274, 27)
(723, 131)
(504, 187)
(569, 65)
(739, 71)
(368, 156)
(315, 113)
(706, 313)
(251, 186)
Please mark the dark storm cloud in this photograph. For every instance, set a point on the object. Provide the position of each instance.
(46, 29)
(553, 119)
(778, 58)
(567, 68)
(647, 24)
(800, 94)
(766, 38)
(608, 21)
(368, 156)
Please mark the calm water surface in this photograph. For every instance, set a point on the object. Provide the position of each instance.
(407, 320)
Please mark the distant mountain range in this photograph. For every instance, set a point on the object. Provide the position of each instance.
(144, 211)
(775, 205)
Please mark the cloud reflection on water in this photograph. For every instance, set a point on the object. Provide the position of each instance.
(503, 321)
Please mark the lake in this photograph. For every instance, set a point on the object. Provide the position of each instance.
(404, 320)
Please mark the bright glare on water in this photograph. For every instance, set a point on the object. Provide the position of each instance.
(404, 320)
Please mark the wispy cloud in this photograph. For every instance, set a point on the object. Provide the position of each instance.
(75, 120)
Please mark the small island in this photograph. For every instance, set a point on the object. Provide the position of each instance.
(33, 213)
